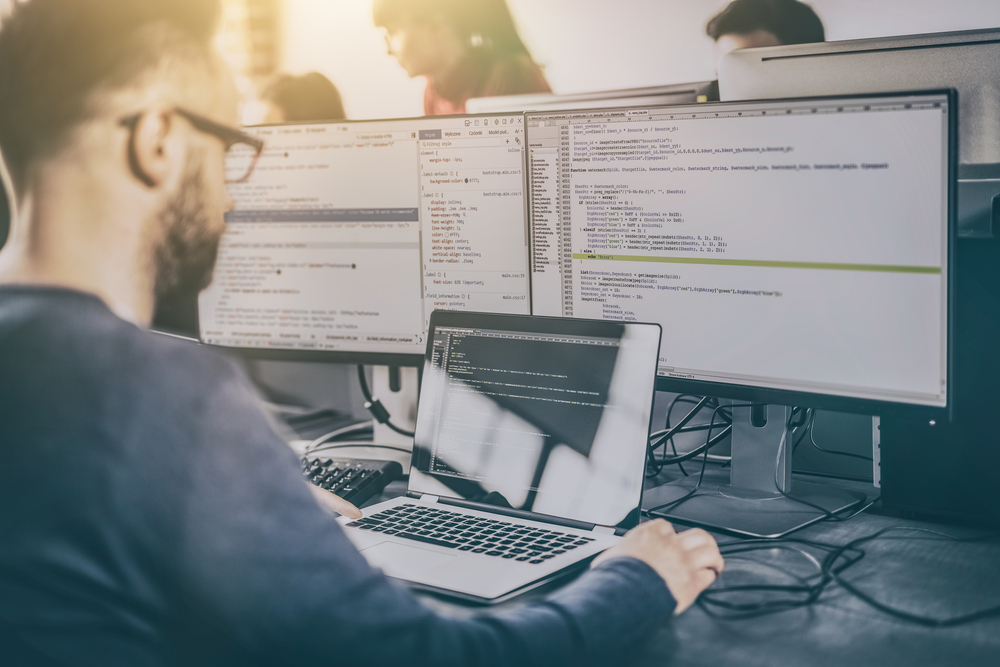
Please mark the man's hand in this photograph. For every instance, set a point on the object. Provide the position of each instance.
(334, 502)
(689, 562)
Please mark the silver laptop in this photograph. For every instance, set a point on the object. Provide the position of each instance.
(529, 453)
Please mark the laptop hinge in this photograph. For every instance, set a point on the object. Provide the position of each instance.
(604, 530)
(428, 498)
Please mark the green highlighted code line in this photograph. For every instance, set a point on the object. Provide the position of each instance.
(822, 266)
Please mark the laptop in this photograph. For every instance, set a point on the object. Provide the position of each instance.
(528, 457)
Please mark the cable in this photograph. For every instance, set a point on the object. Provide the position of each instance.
(687, 429)
(670, 431)
(709, 442)
(716, 599)
(360, 444)
(662, 438)
(789, 426)
(838, 559)
(679, 398)
(374, 406)
(656, 464)
(827, 514)
(918, 619)
(353, 428)
(812, 439)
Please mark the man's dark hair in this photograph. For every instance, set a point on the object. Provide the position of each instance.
(790, 21)
(57, 56)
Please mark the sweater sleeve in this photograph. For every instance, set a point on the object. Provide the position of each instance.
(269, 569)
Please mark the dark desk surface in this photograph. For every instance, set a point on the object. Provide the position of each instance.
(910, 571)
(923, 576)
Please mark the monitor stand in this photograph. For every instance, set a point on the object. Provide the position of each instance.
(745, 501)
(396, 387)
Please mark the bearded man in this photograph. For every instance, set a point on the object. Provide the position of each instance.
(149, 515)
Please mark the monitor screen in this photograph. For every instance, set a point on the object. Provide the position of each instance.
(347, 235)
(786, 247)
(965, 61)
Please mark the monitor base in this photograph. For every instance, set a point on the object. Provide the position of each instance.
(720, 507)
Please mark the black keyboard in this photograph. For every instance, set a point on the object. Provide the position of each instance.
(502, 539)
(354, 480)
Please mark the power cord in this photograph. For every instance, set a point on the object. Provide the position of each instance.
(374, 406)
(655, 464)
(812, 441)
(709, 443)
(798, 418)
(324, 448)
(340, 432)
(790, 426)
(718, 601)
(918, 619)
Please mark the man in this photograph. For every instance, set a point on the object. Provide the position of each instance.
(148, 514)
(747, 24)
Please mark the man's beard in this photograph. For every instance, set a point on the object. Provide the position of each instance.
(184, 257)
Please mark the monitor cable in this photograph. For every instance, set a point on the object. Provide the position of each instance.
(374, 406)
(656, 464)
(812, 441)
(790, 425)
(900, 614)
(353, 429)
(710, 442)
(718, 601)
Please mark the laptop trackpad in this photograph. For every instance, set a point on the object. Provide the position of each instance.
(399, 560)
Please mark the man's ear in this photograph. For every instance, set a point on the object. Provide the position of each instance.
(150, 154)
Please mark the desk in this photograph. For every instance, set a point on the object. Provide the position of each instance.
(938, 578)
(926, 577)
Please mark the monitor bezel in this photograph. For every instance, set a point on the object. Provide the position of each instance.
(369, 358)
(616, 97)
(762, 395)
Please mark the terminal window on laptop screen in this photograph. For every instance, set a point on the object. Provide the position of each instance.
(348, 235)
(548, 423)
(816, 227)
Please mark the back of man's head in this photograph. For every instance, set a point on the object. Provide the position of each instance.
(790, 21)
(63, 61)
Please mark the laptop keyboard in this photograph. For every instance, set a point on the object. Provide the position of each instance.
(503, 539)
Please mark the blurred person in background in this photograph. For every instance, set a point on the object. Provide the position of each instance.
(465, 49)
(307, 97)
(748, 24)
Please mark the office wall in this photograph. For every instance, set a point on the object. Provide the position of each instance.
(584, 44)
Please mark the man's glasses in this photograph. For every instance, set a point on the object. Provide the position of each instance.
(242, 149)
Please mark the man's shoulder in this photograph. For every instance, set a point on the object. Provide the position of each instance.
(51, 330)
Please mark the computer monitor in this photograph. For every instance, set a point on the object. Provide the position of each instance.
(348, 234)
(966, 61)
(681, 93)
(796, 253)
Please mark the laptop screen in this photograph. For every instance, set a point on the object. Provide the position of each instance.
(536, 414)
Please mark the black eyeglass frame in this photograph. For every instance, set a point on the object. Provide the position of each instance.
(230, 136)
